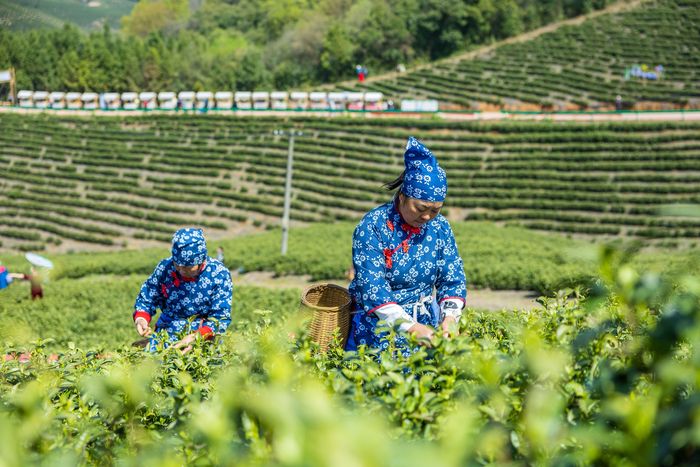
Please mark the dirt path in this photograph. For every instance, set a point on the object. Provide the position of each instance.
(481, 299)
(580, 116)
(569, 116)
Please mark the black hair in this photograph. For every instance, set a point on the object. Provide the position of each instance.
(396, 183)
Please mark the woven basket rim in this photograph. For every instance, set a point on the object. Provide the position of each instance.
(333, 309)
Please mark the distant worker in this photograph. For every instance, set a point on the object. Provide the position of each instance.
(193, 291)
(618, 102)
(5, 277)
(220, 254)
(36, 291)
(34, 278)
(659, 71)
(361, 72)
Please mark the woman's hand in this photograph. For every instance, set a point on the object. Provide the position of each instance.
(421, 332)
(185, 344)
(142, 327)
(448, 325)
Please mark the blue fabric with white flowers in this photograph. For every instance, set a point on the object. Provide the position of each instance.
(189, 247)
(187, 304)
(423, 177)
(431, 260)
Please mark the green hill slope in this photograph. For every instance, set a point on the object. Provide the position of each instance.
(105, 181)
(15, 16)
(572, 67)
(32, 14)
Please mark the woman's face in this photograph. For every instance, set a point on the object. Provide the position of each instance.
(417, 212)
(188, 271)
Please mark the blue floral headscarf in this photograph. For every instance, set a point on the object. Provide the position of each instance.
(424, 179)
(189, 247)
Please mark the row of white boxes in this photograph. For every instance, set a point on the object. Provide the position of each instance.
(190, 100)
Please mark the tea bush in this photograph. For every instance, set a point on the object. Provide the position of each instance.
(601, 376)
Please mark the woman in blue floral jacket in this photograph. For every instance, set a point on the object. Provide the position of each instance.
(194, 293)
(402, 251)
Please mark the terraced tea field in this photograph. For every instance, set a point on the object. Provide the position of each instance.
(88, 15)
(573, 67)
(68, 182)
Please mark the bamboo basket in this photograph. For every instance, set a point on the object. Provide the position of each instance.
(330, 307)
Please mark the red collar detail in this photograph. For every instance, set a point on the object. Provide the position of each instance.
(410, 229)
(404, 225)
(176, 278)
(389, 252)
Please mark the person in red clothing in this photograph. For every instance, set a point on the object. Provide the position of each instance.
(34, 277)
(35, 288)
(361, 72)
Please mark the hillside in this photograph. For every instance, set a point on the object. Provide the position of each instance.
(40, 14)
(14, 16)
(129, 181)
(581, 66)
(253, 44)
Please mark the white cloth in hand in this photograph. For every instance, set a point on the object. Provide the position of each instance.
(392, 313)
(451, 307)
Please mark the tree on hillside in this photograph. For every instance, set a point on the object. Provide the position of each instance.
(73, 72)
(37, 70)
(128, 56)
(148, 16)
(281, 13)
(296, 54)
(441, 27)
(338, 53)
(251, 73)
(507, 19)
(383, 39)
(159, 67)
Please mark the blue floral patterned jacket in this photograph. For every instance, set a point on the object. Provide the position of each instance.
(399, 264)
(206, 299)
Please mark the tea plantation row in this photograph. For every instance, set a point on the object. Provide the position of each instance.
(573, 67)
(131, 181)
